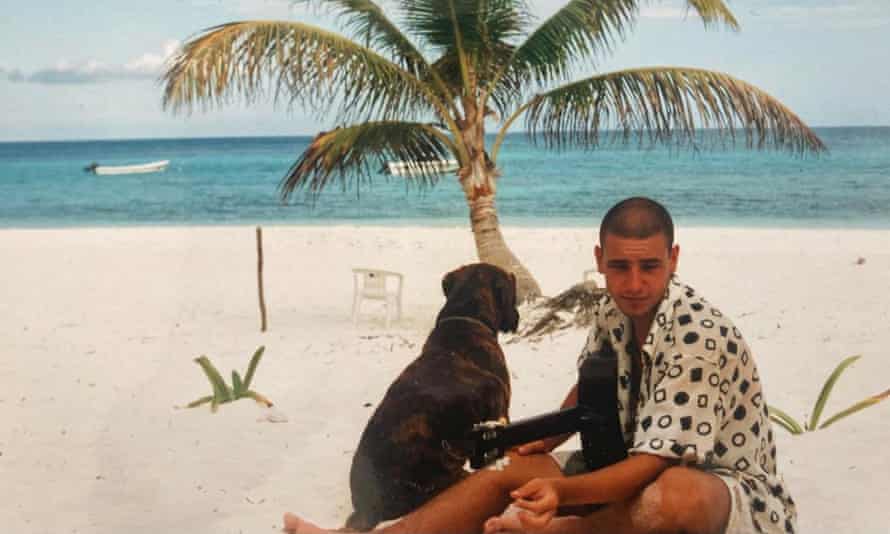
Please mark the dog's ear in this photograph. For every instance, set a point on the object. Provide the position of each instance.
(505, 293)
(448, 282)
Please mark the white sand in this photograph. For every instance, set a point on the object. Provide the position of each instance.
(98, 329)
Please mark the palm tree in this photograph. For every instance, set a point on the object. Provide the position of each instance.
(427, 89)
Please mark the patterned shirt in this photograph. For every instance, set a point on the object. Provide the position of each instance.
(700, 400)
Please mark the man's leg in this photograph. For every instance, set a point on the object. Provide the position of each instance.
(681, 500)
(464, 507)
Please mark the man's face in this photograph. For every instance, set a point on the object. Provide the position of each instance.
(637, 272)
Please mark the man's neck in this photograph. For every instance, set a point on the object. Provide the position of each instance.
(641, 328)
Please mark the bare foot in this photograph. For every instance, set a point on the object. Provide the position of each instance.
(506, 522)
(295, 525)
(502, 524)
(509, 523)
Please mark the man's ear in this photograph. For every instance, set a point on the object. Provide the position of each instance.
(598, 256)
(674, 258)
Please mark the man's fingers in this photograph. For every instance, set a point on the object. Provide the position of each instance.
(531, 448)
(538, 501)
(526, 490)
(526, 495)
(537, 506)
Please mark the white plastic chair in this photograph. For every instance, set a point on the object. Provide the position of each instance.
(377, 284)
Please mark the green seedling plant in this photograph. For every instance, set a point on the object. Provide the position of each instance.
(222, 392)
(794, 427)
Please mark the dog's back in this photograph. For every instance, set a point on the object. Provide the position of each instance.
(412, 447)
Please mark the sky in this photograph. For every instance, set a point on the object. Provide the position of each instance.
(73, 70)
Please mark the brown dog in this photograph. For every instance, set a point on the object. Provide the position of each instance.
(414, 444)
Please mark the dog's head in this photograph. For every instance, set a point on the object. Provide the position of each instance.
(484, 292)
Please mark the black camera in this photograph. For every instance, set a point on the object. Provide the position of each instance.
(595, 417)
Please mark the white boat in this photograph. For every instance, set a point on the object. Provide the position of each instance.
(414, 168)
(154, 166)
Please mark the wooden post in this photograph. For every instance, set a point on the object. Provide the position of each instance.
(259, 274)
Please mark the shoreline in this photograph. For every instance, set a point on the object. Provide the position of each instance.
(570, 224)
(310, 135)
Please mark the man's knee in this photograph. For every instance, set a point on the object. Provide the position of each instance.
(682, 500)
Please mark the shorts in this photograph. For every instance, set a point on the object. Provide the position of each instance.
(572, 463)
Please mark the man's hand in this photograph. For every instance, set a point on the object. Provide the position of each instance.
(538, 500)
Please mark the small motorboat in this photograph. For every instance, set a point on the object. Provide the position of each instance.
(414, 168)
(154, 166)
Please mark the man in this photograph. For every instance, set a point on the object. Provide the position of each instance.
(701, 458)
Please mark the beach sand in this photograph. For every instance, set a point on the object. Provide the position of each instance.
(99, 327)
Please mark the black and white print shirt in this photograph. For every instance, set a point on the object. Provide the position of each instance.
(700, 400)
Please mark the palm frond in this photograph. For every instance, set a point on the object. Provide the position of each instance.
(577, 33)
(669, 105)
(438, 23)
(477, 33)
(713, 12)
(353, 153)
(368, 23)
(299, 62)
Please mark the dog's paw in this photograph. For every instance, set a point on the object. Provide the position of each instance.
(500, 464)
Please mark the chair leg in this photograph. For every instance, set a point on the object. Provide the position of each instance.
(356, 303)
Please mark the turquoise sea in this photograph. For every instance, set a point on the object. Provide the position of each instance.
(234, 181)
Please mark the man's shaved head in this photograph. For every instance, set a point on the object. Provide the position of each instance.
(637, 218)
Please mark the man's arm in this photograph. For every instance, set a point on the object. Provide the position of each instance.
(540, 498)
(613, 483)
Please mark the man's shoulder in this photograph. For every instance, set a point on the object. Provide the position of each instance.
(699, 328)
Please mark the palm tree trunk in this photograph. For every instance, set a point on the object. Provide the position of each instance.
(490, 245)
(478, 180)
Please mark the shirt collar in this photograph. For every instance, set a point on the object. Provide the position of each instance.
(664, 315)
(615, 318)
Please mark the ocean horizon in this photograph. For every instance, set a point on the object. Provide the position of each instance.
(234, 181)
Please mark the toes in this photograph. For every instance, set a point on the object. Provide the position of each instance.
(291, 523)
(492, 526)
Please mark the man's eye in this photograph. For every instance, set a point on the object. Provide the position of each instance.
(650, 266)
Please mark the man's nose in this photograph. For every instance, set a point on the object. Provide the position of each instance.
(635, 280)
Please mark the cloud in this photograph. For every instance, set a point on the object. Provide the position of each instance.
(253, 8)
(14, 75)
(670, 12)
(851, 15)
(149, 63)
(812, 13)
(145, 67)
